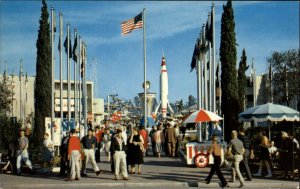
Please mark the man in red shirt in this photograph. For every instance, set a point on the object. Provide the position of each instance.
(99, 135)
(74, 156)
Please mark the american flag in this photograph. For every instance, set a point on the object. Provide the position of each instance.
(132, 24)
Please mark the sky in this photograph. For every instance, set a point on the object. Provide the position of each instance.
(115, 62)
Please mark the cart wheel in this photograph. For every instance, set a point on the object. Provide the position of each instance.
(201, 160)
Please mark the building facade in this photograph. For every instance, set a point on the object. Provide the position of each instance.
(22, 107)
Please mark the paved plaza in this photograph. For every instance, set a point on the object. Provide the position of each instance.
(156, 173)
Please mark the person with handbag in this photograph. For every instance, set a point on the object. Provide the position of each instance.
(215, 151)
(135, 151)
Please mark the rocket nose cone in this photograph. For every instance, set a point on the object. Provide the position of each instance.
(163, 61)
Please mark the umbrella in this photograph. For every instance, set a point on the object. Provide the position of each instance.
(269, 112)
(202, 116)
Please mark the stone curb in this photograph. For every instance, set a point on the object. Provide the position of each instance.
(124, 184)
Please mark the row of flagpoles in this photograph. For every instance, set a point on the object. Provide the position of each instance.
(78, 53)
(204, 59)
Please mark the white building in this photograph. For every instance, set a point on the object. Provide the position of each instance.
(23, 99)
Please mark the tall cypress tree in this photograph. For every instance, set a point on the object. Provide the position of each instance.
(229, 73)
(42, 92)
(242, 81)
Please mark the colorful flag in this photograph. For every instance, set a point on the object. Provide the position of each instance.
(83, 58)
(251, 74)
(208, 28)
(132, 24)
(195, 55)
(20, 72)
(75, 49)
(54, 22)
(66, 46)
(217, 74)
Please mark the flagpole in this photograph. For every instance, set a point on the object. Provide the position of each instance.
(254, 84)
(199, 130)
(213, 60)
(199, 96)
(270, 83)
(201, 71)
(220, 95)
(75, 87)
(205, 73)
(84, 89)
(20, 79)
(79, 85)
(210, 73)
(145, 68)
(68, 72)
(52, 74)
(61, 65)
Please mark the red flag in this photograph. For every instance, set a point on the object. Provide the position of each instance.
(132, 24)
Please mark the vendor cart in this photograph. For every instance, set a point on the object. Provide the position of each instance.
(195, 143)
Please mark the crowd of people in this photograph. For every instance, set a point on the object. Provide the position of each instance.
(241, 149)
(126, 146)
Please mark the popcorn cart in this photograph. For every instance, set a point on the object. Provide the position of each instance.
(194, 147)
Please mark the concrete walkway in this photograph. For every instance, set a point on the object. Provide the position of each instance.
(156, 173)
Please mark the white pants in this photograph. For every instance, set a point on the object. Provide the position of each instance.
(23, 156)
(89, 155)
(236, 167)
(75, 164)
(120, 163)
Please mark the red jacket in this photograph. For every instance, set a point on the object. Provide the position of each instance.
(144, 134)
(74, 144)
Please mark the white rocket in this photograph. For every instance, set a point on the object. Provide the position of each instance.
(164, 90)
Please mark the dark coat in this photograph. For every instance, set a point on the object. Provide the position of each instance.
(115, 145)
(170, 135)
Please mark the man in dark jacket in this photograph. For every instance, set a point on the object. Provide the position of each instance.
(118, 149)
(170, 139)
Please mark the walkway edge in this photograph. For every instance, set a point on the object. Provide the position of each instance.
(123, 184)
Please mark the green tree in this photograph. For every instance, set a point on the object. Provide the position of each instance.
(192, 100)
(242, 81)
(5, 95)
(8, 129)
(43, 76)
(229, 73)
(5, 103)
(286, 72)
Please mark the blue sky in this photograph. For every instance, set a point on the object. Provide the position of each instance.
(115, 63)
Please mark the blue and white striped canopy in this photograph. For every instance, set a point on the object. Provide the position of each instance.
(269, 112)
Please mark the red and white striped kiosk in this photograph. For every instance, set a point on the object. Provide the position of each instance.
(196, 153)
